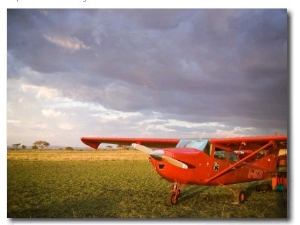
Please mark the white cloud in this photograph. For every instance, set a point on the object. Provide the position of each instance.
(14, 121)
(158, 127)
(52, 113)
(40, 91)
(70, 43)
(65, 126)
(242, 129)
(139, 67)
(193, 125)
(21, 100)
(40, 126)
(235, 132)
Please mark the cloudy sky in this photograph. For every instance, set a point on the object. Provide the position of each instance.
(145, 73)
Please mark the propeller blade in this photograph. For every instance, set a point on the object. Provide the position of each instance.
(175, 162)
(158, 155)
(141, 148)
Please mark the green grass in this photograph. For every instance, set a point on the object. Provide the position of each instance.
(81, 187)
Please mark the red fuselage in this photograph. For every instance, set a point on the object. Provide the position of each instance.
(213, 161)
(201, 167)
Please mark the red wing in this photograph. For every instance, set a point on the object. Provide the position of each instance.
(250, 143)
(94, 142)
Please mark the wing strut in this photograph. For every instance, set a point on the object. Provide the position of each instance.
(239, 162)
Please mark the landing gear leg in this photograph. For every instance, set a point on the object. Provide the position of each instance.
(173, 195)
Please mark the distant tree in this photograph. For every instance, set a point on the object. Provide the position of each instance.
(34, 147)
(41, 144)
(69, 148)
(23, 146)
(16, 146)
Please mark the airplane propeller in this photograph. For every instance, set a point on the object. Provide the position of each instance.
(159, 155)
(142, 148)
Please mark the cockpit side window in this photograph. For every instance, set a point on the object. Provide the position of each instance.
(207, 149)
(233, 157)
(220, 153)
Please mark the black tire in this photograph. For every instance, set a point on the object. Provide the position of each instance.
(172, 199)
(241, 197)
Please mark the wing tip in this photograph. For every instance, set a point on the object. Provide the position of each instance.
(90, 142)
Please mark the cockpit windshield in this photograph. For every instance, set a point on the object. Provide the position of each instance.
(198, 144)
(201, 145)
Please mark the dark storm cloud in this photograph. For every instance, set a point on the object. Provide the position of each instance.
(208, 65)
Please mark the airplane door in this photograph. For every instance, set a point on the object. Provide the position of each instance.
(232, 174)
(220, 162)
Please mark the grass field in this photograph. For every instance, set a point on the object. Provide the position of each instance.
(117, 184)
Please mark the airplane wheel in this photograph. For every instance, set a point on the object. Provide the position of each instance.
(172, 199)
(174, 189)
(241, 197)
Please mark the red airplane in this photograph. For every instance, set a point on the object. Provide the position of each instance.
(212, 161)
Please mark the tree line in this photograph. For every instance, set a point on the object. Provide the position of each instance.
(36, 145)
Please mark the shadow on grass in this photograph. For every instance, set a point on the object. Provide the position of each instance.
(80, 208)
(250, 189)
(192, 192)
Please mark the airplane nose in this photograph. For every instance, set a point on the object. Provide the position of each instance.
(157, 154)
(160, 154)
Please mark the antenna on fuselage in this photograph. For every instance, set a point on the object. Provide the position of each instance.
(202, 134)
